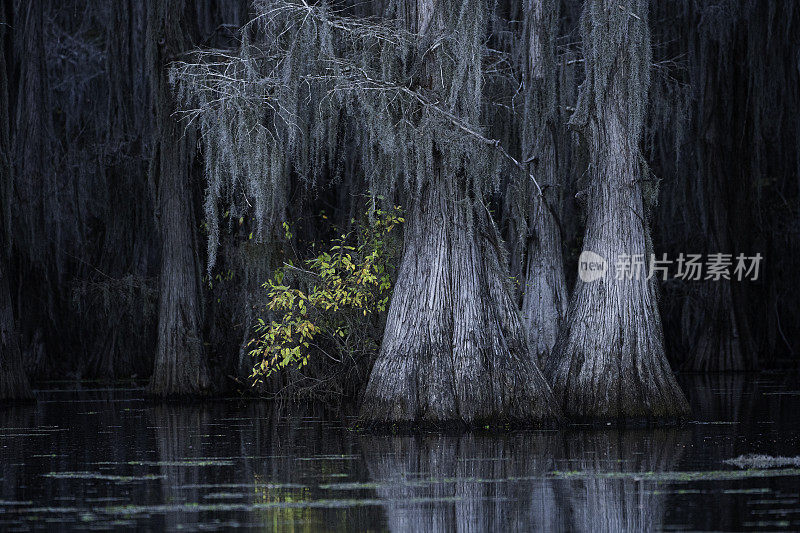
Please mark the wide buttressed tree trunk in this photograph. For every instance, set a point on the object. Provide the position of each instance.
(608, 361)
(454, 349)
(180, 361)
(13, 382)
(544, 302)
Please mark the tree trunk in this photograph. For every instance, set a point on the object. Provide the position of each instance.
(454, 350)
(180, 362)
(13, 382)
(715, 321)
(35, 210)
(711, 327)
(129, 234)
(544, 302)
(608, 361)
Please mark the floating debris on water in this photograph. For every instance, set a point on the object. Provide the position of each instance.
(762, 461)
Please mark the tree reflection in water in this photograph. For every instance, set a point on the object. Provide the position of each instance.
(543, 481)
(105, 457)
(14, 420)
(180, 431)
(598, 494)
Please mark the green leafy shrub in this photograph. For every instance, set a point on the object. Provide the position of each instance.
(332, 309)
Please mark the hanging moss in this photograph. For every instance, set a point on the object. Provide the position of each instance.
(270, 111)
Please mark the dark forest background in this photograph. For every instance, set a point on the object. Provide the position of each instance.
(86, 190)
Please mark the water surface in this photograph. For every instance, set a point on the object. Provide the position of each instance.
(89, 456)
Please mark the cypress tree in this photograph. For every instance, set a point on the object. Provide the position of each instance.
(608, 361)
(180, 361)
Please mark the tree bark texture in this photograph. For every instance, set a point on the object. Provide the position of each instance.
(180, 361)
(454, 348)
(714, 322)
(13, 381)
(608, 361)
(544, 301)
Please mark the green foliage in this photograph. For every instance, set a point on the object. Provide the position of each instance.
(346, 296)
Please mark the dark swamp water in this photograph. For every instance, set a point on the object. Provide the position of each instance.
(99, 458)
